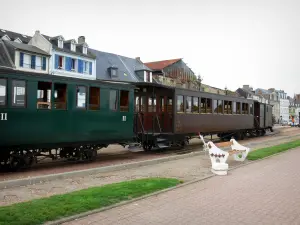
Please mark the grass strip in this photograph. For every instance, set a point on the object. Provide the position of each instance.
(58, 206)
(264, 152)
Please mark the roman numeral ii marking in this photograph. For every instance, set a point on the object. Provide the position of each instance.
(3, 116)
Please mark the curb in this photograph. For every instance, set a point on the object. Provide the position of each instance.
(67, 219)
(87, 172)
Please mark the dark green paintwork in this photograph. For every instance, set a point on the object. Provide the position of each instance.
(46, 128)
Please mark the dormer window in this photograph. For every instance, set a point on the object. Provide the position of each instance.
(60, 43)
(73, 47)
(113, 71)
(84, 50)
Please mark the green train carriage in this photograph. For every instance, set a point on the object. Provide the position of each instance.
(41, 112)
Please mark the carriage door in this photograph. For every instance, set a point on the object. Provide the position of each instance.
(262, 116)
(165, 113)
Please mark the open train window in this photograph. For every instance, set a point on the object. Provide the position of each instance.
(137, 104)
(227, 107)
(151, 104)
(220, 106)
(124, 101)
(18, 93)
(188, 104)
(170, 105)
(143, 103)
(251, 108)
(208, 105)
(180, 103)
(60, 96)
(195, 108)
(234, 107)
(238, 108)
(245, 109)
(94, 99)
(162, 104)
(203, 105)
(44, 95)
(81, 97)
(113, 100)
(3, 90)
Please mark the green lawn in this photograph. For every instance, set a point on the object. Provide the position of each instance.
(58, 206)
(264, 152)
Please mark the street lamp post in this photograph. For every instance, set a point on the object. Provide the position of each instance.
(199, 81)
(225, 90)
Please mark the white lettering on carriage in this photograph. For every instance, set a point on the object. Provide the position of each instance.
(3, 116)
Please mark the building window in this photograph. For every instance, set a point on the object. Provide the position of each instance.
(18, 93)
(73, 61)
(60, 96)
(44, 95)
(113, 100)
(180, 103)
(188, 105)
(60, 43)
(86, 67)
(3, 85)
(124, 101)
(81, 97)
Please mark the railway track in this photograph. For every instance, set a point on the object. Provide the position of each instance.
(107, 158)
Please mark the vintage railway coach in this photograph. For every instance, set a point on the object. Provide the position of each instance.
(167, 116)
(41, 112)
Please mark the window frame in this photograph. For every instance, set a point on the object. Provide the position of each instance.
(6, 93)
(12, 94)
(52, 84)
(99, 107)
(117, 103)
(128, 98)
(86, 95)
(53, 92)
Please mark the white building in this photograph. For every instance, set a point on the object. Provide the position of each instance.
(284, 104)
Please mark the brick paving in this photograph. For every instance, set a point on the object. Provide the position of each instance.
(265, 192)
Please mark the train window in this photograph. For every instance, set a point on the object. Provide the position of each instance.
(151, 104)
(220, 106)
(251, 109)
(170, 105)
(81, 97)
(188, 105)
(113, 100)
(227, 107)
(137, 104)
(179, 103)
(162, 104)
(18, 93)
(143, 103)
(234, 107)
(245, 109)
(238, 108)
(44, 95)
(215, 106)
(203, 105)
(3, 88)
(208, 105)
(60, 96)
(94, 99)
(195, 107)
(124, 101)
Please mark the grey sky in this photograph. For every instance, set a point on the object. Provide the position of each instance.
(232, 42)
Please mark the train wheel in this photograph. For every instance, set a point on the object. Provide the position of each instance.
(147, 146)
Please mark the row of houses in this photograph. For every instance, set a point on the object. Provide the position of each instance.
(55, 55)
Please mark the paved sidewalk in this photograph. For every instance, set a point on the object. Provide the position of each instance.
(265, 192)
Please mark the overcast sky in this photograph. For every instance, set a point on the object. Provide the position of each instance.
(230, 43)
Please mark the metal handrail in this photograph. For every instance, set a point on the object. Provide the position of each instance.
(158, 123)
(139, 116)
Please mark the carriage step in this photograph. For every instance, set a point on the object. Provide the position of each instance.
(134, 145)
(160, 139)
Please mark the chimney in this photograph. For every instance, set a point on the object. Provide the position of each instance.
(81, 39)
